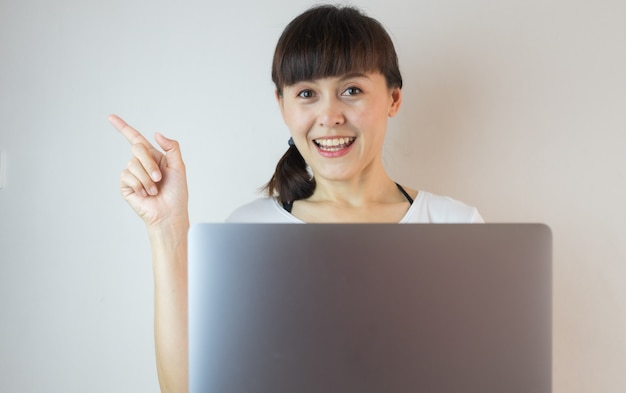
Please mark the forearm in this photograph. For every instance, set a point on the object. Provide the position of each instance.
(169, 255)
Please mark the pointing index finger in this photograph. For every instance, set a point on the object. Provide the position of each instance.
(133, 136)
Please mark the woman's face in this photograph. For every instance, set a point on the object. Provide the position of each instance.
(338, 124)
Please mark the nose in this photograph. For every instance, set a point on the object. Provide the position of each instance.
(331, 113)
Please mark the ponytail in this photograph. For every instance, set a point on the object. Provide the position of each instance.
(291, 180)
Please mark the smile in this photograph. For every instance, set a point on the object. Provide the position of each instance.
(334, 144)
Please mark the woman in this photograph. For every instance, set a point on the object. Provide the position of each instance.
(337, 83)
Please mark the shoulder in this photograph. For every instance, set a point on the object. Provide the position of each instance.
(262, 210)
(431, 208)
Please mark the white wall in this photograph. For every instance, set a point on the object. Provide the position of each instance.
(517, 107)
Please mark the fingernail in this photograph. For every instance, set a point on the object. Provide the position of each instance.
(153, 191)
(156, 176)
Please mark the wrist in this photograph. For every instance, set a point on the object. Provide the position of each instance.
(169, 226)
(173, 232)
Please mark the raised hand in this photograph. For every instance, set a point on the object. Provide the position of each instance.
(154, 182)
(155, 185)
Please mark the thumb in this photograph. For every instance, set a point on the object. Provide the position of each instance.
(171, 149)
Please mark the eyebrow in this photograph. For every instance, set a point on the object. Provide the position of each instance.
(342, 78)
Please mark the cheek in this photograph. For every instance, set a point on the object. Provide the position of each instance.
(297, 121)
(370, 117)
(294, 123)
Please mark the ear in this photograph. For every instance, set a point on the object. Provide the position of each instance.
(396, 101)
(280, 101)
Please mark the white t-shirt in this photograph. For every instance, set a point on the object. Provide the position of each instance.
(427, 208)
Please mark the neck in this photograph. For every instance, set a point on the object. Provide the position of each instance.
(357, 192)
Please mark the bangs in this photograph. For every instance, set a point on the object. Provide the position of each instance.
(329, 42)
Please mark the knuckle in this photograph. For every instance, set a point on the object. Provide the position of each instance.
(132, 164)
(138, 148)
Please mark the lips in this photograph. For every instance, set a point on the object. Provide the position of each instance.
(334, 144)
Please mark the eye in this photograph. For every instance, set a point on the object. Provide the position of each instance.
(306, 93)
(352, 91)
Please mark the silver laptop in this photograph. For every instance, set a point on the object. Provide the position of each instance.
(358, 308)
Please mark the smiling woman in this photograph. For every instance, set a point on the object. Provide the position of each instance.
(326, 42)
(337, 82)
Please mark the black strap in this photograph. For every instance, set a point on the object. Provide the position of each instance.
(406, 194)
(288, 206)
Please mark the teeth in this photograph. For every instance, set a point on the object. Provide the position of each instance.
(334, 143)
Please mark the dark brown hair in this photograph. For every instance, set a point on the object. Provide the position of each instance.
(325, 41)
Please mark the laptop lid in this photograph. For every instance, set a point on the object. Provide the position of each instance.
(370, 308)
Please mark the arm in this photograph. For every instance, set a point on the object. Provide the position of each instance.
(169, 258)
(154, 184)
